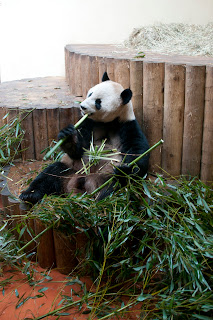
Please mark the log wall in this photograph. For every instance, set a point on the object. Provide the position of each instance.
(172, 100)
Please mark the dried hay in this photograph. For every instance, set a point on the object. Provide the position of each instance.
(176, 38)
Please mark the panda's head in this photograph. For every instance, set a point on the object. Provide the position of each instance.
(107, 101)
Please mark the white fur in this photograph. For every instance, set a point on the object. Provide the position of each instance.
(111, 103)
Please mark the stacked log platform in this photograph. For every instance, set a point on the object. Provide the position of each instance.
(172, 100)
(51, 105)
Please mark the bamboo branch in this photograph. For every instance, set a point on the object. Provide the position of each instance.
(59, 143)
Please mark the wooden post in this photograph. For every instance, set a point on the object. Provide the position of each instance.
(110, 62)
(65, 247)
(136, 85)
(81, 243)
(85, 74)
(76, 114)
(13, 113)
(94, 71)
(27, 143)
(5, 193)
(66, 117)
(40, 131)
(207, 148)
(66, 54)
(45, 249)
(102, 67)
(78, 85)
(174, 99)
(193, 119)
(153, 91)
(52, 124)
(13, 206)
(32, 248)
(72, 72)
(3, 112)
(122, 74)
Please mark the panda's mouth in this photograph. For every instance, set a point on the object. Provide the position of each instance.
(83, 113)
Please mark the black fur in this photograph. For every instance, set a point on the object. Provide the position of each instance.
(126, 96)
(98, 104)
(49, 181)
(105, 77)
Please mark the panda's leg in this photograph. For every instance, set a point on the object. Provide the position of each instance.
(49, 181)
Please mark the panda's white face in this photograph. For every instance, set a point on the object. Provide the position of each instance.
(104, 103)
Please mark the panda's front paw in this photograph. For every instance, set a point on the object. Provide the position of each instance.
(124, 170)
(31, 196)
(69, 131)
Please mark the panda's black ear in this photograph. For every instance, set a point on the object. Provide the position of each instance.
(105, 77)
(126, 96)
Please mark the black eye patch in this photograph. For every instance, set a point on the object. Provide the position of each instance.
(90, 95)
(98, 104)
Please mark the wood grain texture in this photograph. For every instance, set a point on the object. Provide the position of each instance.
(207, 146)
(193, 119)
(153, 85)
(174, 99)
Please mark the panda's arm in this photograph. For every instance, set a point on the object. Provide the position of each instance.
(76, 140)
(133, 144)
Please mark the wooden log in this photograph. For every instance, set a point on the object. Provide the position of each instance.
(13, 114)
(52, 124)
(81, 243)
(27, 144)
(45, 249)
(94, 71)
(110, 62)
(85, 74)
(40, 131)
(29, 232)
(66, 117)
(136, 85)
(14, 212)
(66, 55)
(193, 119)
(78, 84)
(3, 112)
(76, 114)
(5, 193)
(122, 73)
(207, 148)
(69, 69)
(65, 247)
(102, 67)
(174, 99)
(153, 92)
(72, 56)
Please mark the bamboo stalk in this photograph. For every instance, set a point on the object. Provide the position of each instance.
(146, 152)
(59, 143)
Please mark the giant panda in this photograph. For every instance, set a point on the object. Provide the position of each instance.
(111, 117)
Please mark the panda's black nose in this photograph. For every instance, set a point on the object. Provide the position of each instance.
(83, 108)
